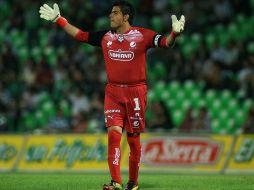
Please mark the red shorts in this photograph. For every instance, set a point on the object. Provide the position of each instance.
(125, 106)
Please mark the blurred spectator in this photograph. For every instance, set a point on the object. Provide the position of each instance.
(212, 75)
(28, 75)
(58, 123)
(30, 98)
(3, 122)
(5, 97)
(79, 102)
(59, 73)
(13, 115)
(192, 69)
(188, 123)
(250, 87)
(8, 59)
(245, 74)
(222, 10)
(232, 56)
(218, 53)
(44, 77)
(80, 122)
(97, 113)
(161, 119)
(203, 122)
(248, 126)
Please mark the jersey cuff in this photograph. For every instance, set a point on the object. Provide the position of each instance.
(61, 21)
(163, 42)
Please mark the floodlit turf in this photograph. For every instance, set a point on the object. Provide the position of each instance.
(72, 181)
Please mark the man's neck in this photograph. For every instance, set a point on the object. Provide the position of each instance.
(123, 29)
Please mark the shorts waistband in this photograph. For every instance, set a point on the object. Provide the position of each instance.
(127, 85)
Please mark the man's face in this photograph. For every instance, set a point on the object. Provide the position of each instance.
(116, 18)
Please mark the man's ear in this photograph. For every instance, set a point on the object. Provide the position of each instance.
(126, 17)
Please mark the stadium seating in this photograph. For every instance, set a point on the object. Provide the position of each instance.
(226, 108)
(226, 111)
(157, 24)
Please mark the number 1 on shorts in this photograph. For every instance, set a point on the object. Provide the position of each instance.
(137, 107)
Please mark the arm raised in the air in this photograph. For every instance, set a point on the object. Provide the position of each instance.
(53, 14)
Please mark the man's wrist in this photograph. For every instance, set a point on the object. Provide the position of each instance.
(174, 35)
(61, 21)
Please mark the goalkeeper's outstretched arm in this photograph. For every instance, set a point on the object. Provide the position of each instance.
(53, 14)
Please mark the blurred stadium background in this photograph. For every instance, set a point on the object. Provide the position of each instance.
(201, 92)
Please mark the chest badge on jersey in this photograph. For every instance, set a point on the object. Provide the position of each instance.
(133, 44)
(109, 44)
(120, 38)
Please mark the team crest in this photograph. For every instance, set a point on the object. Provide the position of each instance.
(120, 38)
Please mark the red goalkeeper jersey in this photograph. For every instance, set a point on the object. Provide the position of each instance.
(125, 54)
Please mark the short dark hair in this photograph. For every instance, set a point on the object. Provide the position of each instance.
(126, 9)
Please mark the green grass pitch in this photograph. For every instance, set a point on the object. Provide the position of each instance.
(86, 181)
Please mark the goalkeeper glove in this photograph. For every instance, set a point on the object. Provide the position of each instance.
(48, 13)
(177, 25)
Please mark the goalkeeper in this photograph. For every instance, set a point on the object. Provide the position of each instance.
(124, 49)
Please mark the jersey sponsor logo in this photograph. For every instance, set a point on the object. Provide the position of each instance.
(117, 156)
(136, 118)
(108, 117)
(181, 151)
(112, 111)
(135, 124)
(133, 44)
(121, 55)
